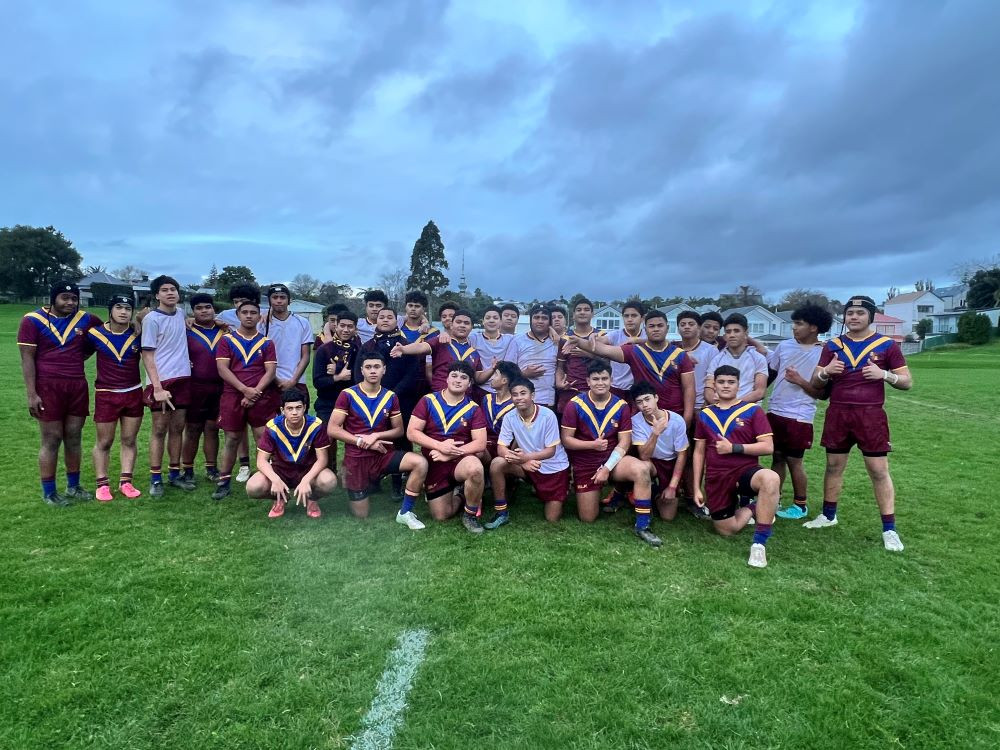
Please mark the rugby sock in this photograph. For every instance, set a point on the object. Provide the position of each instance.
(224, 480)
(889, 522)
(472, 510)
(801, 502)
(103, 482)
(124, 478)
(188, 471)
(155, 474)
(829, 510)
(615, 498)
(245, 461)
(72, 479)
(643, 508)
(500, 505)
(174, 471)
(761, 533)
(48, 486)
(210, 467)
(409, 502)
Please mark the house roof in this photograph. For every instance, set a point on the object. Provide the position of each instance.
(747, 309)
(908, 297)
(954, 290)
(101, 278)
(883, 318)
(605, 309)
(676, 307)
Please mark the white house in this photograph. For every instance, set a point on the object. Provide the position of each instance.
(913, 307)
(672, 311)
(947, 322)
(761, 321)
(953, 296)
(608, 318)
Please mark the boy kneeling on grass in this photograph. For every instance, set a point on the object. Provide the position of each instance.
(292, 457)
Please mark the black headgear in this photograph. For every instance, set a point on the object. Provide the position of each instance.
(62, 286)
(862, 301)
(120, 299)
(278, 289)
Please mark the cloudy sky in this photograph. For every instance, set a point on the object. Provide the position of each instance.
(604, 147)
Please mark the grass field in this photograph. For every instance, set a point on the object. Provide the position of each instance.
(187, 624)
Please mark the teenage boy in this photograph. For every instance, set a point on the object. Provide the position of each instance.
(238, 294)
(447, 349)
(332, 315)
(537, 354)
(663, 365)
(510, 314)
(292, 458)
(51, 342)
(711, 327)
(630, 333)
(597, 433)
(700, 351)
(730, 437)
(451, 432)
(740, 354)
(792, 406)
(117, 395)
(660, 437)
(571, 362)
(368, 421)
(292, 337)
(856, 367)
(413, 323)
(529, 448)
(168, 382)
(203, 337)
(496, 405)
(375, 300)
(248, 365)
(557, 316)
(333, 368)
(493, 344)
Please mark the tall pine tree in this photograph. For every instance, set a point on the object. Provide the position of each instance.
(427, 262)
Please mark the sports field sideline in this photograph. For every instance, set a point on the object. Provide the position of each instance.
(185, 623)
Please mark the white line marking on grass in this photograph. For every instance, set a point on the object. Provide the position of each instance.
(929, 405)
(386, 713)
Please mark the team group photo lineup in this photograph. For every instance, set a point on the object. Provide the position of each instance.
(458, 411)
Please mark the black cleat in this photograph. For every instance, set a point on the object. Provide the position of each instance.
(55, 500)
(649, 537)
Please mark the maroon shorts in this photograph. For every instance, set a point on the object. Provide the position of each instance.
(110, 406)
(62, 397)
(725, 491)
(361, 470)
(180, 394)
(233, 417)
(563, 398)
(550, 488)
(440, 478)
(791, 437)
(203, 402)
(864, 426)
(664, 472)
(583, 471)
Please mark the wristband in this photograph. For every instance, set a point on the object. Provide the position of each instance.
(737, 447)
(823, 376)
(894, 378)
(613, 460)
(357, 441)
(885, 374)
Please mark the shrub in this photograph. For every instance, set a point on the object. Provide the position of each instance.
(974, 328)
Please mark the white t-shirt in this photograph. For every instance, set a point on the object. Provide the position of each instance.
(503, 349)
(702, 356)
(669, 443)
(229, 317)
(749, 363)
(366, 330)
(166, 335)
(541, 433)
(621, 373)
(288, 336)
(787, 399)
(531, 351)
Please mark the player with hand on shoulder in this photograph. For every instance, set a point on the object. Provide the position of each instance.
(739, 353)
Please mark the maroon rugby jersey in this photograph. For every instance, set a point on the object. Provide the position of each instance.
(495, 411)
(446, 422)
(118, 356)
(593, 422)
(741, 423)
(443, 355)
(850, 387)
(247, 357)
(366, 414)
(662, 370)
(58, 342)
(203, 345)
(293, 454)
(575, 366)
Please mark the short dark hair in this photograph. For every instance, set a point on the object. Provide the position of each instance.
(201, 299)
(685, 314)
(336, 309)
(492, 308)
(246, 302)
(509, 370)
(654, 314)
(557, 309)
(390, 308)
(155, 284)
(583, 301)
(292, 395)
(510, 306)
(348, 315)
(418, 298)
(642, 388)
(464, 313)
(539, 309)
(635, 305)
(447, 306)
(460, 366)
(244, 291)
(522, 381)
(598, 365)
(376, 295)
(736, 319)
(711, 315)
(726, 370)
(370, 354)
(814, 315)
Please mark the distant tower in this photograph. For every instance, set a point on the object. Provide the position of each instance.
(462, 286)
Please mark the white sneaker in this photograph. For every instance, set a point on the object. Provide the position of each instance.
(758, 556)
(892, 541)
(820, 522)
(410, 520)
(243, 475)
